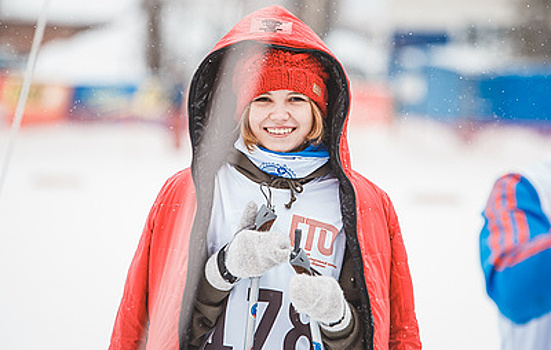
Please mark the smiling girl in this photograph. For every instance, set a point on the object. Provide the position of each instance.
(281, 143)
(280, 120)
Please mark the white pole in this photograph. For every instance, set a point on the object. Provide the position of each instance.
(20, 108)
(316, 335)
(252, 313)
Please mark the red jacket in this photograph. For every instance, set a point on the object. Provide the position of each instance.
(159, 291)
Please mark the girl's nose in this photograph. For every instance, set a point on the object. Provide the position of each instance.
(279, 112)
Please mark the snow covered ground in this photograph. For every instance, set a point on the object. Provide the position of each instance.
(76, 198)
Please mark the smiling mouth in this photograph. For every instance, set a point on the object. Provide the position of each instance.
(279, 131)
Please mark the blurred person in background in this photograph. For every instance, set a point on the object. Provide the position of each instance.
(268, 110)
(515, 247)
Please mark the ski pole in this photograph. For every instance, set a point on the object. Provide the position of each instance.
(22, 101)
(263, 222)
(301, 264)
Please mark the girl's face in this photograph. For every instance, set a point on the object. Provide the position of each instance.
(281, 120)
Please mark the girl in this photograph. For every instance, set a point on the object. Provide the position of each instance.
(278, 143)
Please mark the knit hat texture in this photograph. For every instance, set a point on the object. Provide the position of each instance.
(261, 71)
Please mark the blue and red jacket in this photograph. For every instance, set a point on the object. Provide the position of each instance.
(515, 244)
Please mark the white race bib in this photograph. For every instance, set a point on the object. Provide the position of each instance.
(317, 213)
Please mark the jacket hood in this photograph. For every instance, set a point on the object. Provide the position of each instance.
(211, 101)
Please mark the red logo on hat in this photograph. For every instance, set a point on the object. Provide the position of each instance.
(267, 25)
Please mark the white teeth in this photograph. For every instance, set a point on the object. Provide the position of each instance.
(279, 131)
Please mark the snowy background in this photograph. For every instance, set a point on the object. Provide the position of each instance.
(76, 197)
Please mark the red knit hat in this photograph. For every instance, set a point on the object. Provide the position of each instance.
(261, 71)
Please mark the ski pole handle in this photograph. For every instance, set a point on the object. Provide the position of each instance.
(298, 258)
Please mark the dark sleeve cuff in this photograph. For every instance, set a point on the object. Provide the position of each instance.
(207, 307)
(348, 338)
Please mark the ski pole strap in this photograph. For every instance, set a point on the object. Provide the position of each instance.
(224, 272)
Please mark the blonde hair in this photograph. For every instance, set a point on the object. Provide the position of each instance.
(315, 135)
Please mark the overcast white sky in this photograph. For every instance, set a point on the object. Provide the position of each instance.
(66, 11)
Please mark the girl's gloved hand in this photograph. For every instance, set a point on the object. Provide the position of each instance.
(321, 298)
(250, 254)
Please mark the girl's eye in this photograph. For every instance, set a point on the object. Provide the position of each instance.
(298, 98)
(262, 99)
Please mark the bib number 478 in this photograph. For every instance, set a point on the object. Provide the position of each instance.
(273, 300)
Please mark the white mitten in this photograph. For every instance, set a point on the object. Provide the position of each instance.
(250, 254)
(321, 298)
